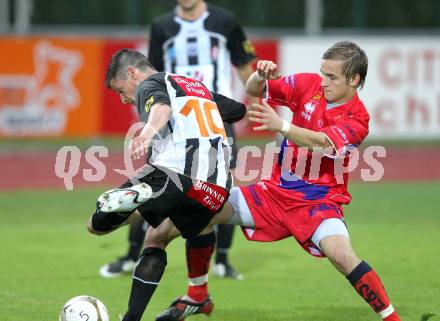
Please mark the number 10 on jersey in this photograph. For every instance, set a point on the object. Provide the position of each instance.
(205, 112)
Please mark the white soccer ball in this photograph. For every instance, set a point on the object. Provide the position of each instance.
(84, 308)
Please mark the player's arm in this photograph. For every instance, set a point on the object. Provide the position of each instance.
(158, 118)
(269, 120)
(256, 84)
(230, 110)
(245, 71)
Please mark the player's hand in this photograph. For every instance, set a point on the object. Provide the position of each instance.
(267, 69)
(139, 147)
(265, 115)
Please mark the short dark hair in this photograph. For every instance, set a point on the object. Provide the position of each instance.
(355, 61)
(123, 59)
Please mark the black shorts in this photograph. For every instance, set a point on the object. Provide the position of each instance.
(188, 203)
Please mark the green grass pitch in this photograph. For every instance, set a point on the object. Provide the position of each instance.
(47, 257)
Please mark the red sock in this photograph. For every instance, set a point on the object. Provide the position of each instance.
(369, 286)
(393, 317)
(198, 256)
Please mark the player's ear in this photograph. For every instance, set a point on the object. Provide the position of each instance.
(131, 73)
(354, 82)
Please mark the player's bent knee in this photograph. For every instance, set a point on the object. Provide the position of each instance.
(156, 239)
(344, 259)
(340, 256)
(151, 265)
(162, 235)
(348, 264)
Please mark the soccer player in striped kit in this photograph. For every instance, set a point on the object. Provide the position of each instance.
(201, 41)
(187, 180)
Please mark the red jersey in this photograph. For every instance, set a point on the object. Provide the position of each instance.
(314, 173)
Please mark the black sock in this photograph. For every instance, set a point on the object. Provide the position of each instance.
(146, 278)
(224, 241)
(136, 237)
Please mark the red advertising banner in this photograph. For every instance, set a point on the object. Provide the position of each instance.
(117, 117)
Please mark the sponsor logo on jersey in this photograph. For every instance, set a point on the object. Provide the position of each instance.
(192, 87)
(309, 108)
(317, 97)
(148, 104)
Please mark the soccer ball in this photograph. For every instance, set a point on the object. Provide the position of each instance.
(84, 308)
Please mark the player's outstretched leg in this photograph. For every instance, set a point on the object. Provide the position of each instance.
(198, 255)
(146, 278)
(117, 204)
(363, 278)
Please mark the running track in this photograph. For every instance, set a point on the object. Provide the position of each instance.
(36, 169)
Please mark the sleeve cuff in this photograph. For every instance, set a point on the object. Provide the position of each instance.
(336, 153)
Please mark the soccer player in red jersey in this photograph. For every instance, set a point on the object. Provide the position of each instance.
(328, 115)
(304, 196)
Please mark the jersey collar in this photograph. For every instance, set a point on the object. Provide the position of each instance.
(346, 104)
(179, 19)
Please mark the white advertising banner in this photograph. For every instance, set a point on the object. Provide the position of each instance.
(402, 91)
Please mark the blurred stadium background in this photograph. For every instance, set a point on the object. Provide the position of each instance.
(52, 67)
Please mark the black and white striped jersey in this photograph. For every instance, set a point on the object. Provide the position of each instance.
(201, 49)
(194, 141)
